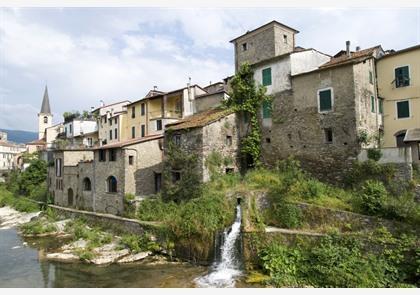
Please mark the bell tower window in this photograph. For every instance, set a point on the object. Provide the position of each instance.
(45, 119)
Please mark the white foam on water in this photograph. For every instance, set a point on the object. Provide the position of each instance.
(225, 272)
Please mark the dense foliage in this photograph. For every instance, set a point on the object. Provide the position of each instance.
(246, 99)
(334, 261)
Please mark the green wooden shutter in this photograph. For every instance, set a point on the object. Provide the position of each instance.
(325, 101)
(266, 77)
(403, 109)
(372, 104)
(266, 109)
(381, 106)
(370, 77)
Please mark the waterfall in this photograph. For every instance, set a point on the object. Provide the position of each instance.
(225, 270)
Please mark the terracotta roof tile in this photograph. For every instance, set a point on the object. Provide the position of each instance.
(200, 119)
(355, 57)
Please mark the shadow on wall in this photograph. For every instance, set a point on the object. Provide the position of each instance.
(148, 180)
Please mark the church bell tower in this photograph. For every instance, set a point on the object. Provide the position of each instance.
(44, 116)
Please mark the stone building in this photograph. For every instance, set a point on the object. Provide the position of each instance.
(98, 179)
(399, 88)
(215, 94)
(322, 117)
(212, 133)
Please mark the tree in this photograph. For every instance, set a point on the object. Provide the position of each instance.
(246, 99)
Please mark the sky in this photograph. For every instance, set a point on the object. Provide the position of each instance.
(85, 55)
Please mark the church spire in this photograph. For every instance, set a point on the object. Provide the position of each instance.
(45, 108)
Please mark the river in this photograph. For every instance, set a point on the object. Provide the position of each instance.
(21, 265)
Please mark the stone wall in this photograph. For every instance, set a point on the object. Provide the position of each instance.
(298, 128)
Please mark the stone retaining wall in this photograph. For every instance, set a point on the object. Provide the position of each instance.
(115, 222)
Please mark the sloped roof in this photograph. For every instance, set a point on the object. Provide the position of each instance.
(129, 142)
(412, 134)
(37, 142)
(355, 57)
(263, 26)
(45, 107)
(200, 119)
(392, 53)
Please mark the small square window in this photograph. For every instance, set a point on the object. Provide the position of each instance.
(268, 140)
(328, 135)
(228, 140)
(102, 156)
(177, 139)
(244, 47)
(285, 39)
(130, 160)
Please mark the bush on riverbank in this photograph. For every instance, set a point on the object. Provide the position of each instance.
(333, 261)
(18, 203)
(37, 227)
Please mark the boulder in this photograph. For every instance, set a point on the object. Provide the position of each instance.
(134, 257)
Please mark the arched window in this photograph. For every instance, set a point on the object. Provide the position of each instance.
(45, 119)
(87, 186)
(112, 184)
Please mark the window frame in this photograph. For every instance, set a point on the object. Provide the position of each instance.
(133, 131)
(159, 126)
(319, 100)
(409, 76)
(102, 155)
(110, 187)
(262, 76)
(143, 109)
(112, 153)
(396, 109)
(372, 104)
(268, 114)
(133, 112)
(142, 130)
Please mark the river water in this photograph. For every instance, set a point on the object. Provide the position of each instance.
(21, 265)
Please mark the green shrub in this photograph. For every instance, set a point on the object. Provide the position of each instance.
(39, 193)
(24, 205)
(373, 197)
(37, 227)
(369, 170)
(309, 189)
(129, 206)
(282, 264)
(402, 208)
(374, 154)
(85, 254)
(155, 210)
(287, 215)
(139, 243)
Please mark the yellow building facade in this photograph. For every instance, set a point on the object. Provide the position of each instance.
(399, 87)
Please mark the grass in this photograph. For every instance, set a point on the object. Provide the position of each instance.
(95, 237)
(18, 203)
(37, 227)
(138, 243)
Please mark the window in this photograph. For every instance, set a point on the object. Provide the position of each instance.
(45, 119)
(116, 120)
(105, 119)
(133, 112)
(143, 109)
(244, 47)
(325, 100)
(143, 130)
(285, 39)
(115, 133)
(158, 182)
(403, 109)
(58, 167)
(177, 139)
(266, 106)
(176, 176)
(130, 160)
(228, 140)
(381, 105)
(370, 77)
(87, 186)
(111, 184)
(246, 117)
(110, 122)
(402, 77)
(71, 129)
(399, 136)
(328, 135)
(266, 77)
(110, 134)
(90, 142)
(133, 132)
(102, 155)
(372, 104)
(112, 155)
(158, 124)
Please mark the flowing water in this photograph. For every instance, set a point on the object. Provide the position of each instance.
(226, 269)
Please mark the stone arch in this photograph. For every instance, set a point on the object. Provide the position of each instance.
(111, 184)
(399, 138)
(87, 184)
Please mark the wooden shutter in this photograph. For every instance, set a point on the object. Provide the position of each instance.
(266, 77)
(403, 109)
(325, 101)
(266, 109)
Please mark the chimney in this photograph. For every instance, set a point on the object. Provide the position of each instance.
(154, 88)
(357, 48)
(348, 48)
(102, 103)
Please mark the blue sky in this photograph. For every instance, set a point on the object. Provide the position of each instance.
(89, 54)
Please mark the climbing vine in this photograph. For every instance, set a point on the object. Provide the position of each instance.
(246, 99)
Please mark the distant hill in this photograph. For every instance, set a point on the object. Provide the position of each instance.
(20, 136)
